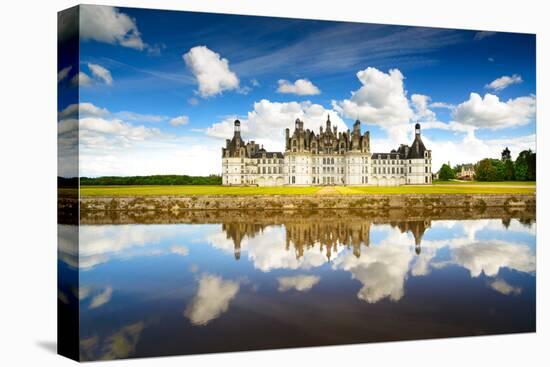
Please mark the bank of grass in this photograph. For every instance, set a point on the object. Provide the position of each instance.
(432, 189)
(193, 190)
(495, 183)
(164, 190)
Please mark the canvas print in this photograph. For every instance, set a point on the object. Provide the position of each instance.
(235, 183)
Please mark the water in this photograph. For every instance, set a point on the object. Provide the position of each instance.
(211, 282)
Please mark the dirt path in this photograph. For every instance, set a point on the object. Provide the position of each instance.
(327, 190)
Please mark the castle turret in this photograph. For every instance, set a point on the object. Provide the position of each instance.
(237, 129)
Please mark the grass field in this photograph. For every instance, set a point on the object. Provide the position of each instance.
(191, 190)
(309, 190)
(499, 183)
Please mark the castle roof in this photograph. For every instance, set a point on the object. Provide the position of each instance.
(417, 149)
(261, 152)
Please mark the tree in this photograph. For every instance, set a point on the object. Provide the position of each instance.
(525, 166)
(446, 173)
(486, 170)
(507, 170)
(506, 155)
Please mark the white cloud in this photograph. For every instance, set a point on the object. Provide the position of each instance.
(420, 104)
(266, 123)
(193, 101)
(301, 283)
(381, 269)
(63, 73)
(179, 250)
(211, 300)
(96, 132)
(301, 87)
(211, 71)
(81, 79)
(490, 112)
(107, 24)
(82, 109)
(381, 100)
(442, 105)
(180, 120)
(503, 287)
(255, 82)
(489, 257)
(470, 149)
(101, 298)
(503, 82)
(101, 73)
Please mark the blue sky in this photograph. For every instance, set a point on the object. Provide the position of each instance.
(159, 89)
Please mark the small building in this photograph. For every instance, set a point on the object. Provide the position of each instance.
(467, 172)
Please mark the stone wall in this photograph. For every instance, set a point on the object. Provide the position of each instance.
(304, 202)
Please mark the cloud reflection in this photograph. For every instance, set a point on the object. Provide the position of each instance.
(211, 300)
(301, 283)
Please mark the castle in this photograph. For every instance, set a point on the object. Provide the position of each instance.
(327, 158)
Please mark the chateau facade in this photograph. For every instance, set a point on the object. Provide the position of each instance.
(327, 158)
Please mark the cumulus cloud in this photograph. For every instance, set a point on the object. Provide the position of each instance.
(101, 73)
(491, 112)
(501, 286)
(503, 82)
(111, 145)
(420, 104)
(381, 99)
(101, 298)
(211, 300)
(82, 109)
(179, 250)
(211, 71)
(301, 283)
(179, 121)
(266, 123)
(301, 87)
(470, 148)
(63, 73)
(96, 132)
(109, 25)
(81, 79)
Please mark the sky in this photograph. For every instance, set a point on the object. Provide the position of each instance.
(159, 90)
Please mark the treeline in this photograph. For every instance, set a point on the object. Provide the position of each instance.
(152, 180)
(524, 168)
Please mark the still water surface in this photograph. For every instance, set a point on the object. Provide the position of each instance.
(240, 282)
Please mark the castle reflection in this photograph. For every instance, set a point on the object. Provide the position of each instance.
(325, 233)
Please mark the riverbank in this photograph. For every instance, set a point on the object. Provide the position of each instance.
(302, 202)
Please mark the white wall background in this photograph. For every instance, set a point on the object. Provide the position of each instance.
(28, 181)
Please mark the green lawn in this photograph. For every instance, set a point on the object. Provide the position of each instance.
(190, 190)
(432, 189)
(500, 183)
(310, 190)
